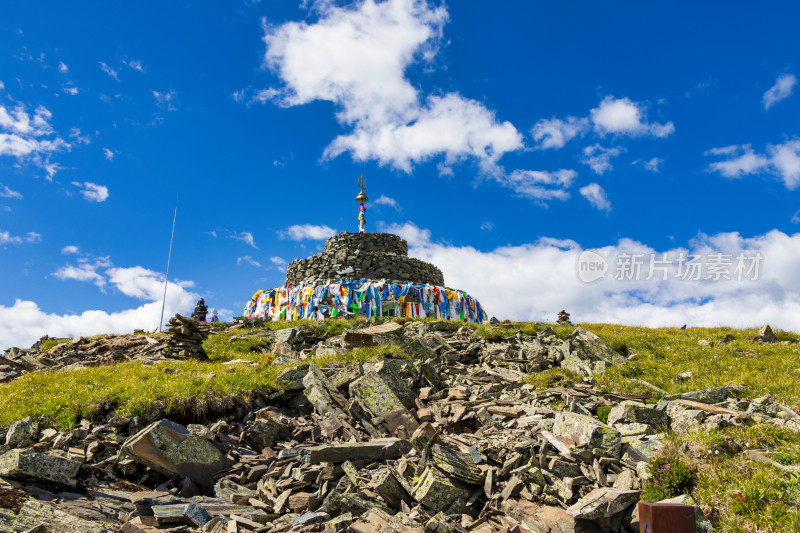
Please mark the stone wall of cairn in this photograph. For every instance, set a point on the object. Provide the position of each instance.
(363, 255)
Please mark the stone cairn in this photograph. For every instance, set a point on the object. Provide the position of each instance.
(363, 256)
(186, 336)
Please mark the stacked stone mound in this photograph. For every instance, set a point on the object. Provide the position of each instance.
(363, 256)
(184, 340)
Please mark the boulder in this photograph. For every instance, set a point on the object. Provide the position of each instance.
(438, 492)
(28, 464)
(171, 449)
(22, 433)
(630, 411)
(587, 431)
(42, 517)
(603, 505)
(765, 334)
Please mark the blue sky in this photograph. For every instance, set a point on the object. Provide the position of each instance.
(501, 141)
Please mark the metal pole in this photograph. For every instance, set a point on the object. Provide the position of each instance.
(166, 279)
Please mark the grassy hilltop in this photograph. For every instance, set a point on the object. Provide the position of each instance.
(738, 494)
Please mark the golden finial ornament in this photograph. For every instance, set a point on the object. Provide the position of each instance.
(362, 197)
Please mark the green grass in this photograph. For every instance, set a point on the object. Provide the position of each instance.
(46, 345)
(659, 355)
(135, 389)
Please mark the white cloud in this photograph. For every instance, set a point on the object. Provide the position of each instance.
(135, 64)
(247, 260)
(278, 261)
(72, 91)
(654, 164)
(92, 191)
(77, 138)
(67, 250)
(109, 154)
(62, 68)
(596, 196)
(781, 160)
(108, 70)
(311, 232)
(356, 57)
(550, 265)
(30, 138)
(30, 238)
(166, 100)
(782, 89)
(244, 236)
(555, 133)
(487, 226)
(25, 322)
(539, 184)
(82, 272)
(5, 192)
(621, 116)
(599, 158)
(385, 200)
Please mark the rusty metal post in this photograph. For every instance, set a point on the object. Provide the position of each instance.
(666, 518)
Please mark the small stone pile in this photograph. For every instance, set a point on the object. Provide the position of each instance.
(183, 340)
(450, 440)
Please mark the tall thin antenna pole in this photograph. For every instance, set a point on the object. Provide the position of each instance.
(166, 279)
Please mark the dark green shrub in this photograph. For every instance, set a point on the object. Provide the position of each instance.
(602, 413)
(671, 477)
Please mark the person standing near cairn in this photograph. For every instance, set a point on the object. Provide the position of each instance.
(362, 197)
(200, 310)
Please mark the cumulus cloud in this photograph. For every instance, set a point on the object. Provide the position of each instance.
(68, 250)
(25, 322)
(245, 237)
(72, 91)
(550, 265)
(622, 116)
(29, 137)
(30, 238)
(596, 196)
(356, 57)
(781, 160)
(247, 260)
(108, 70)
(539, 184)
(82, 272)
(599, 158)
(5, 192)
(278, 261)
(782, 89)
(63, 68)
(92, 191)
(385, 200)
(307, 232)
(555, 133)
(487, 226)
(615, 116)
(109, 154)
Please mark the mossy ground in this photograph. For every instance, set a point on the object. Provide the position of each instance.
(737, 493)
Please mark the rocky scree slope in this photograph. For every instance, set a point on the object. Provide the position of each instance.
(451, 438)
